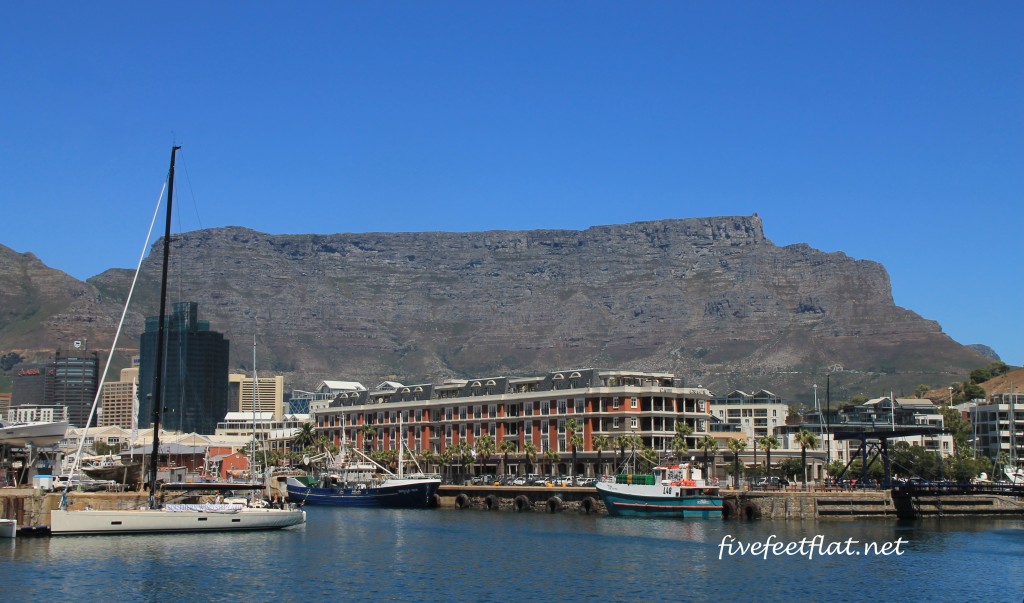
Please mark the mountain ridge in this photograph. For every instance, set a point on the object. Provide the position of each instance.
(711, 299)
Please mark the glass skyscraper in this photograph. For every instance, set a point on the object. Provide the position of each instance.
(195, 383)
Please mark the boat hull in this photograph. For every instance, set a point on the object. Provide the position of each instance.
(631, 500)
(8, 528)
(129, 475)
(36, 434)
(393, 494)
(143, 521)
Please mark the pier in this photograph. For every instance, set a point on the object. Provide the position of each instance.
(31, 506)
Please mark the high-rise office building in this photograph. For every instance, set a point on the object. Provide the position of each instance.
(76, 377)
(195, 381)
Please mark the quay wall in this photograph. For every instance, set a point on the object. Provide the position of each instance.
(31, 506)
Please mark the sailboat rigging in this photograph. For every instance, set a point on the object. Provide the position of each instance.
(171, 517)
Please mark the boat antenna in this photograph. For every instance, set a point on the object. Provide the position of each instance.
(160, 337)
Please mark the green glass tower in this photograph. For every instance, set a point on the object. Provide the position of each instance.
(195, 382)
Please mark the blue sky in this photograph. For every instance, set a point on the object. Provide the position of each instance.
(890, 131)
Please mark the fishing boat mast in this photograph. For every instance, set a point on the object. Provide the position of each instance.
(160, 337)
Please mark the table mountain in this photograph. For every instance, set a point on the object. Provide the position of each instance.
(710, 299)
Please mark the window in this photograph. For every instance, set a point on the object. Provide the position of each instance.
(579, 405)
(632, 402)
(528, 428)
(632, 422)
(615, 403)
(615, 422)
(545, 407)
(561, 407)
(544, 428)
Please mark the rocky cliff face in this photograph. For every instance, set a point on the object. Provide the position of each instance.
(710, 299)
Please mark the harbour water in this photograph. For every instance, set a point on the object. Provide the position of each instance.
(471, 555)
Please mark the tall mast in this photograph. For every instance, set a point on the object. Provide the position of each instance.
(160, 338)
(252, 459)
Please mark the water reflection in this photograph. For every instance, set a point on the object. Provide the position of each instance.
(490, 556)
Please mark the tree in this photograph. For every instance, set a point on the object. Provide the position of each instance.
(530, 452)
(446, 458)
(484, 449)
(790, 468)
(980, 375)
(429, 457)
(921, 390)
(575, 439)
(305, 437)
(101, 447)
(709, 446)
(805, 439)
(600, 444)
(508, 447)
(464, 452)
(632, 442)
(972, 391)
(768, 443)
(960, 428)
(551, 456)
(649, 456)
(998, 368)
(736, 446)
(369, 432)
(679, 447)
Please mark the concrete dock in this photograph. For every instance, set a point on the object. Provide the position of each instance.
(31, 506)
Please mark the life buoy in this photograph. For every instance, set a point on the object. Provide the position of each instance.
(554, 504)
(521, 503)
(709, 491)
(461, 501)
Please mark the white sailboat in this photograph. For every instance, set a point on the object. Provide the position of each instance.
(37, 433)
(156, 517)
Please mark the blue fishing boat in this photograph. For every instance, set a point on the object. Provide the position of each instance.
(666, 493)
(355, 480)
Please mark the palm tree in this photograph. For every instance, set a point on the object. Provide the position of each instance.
(305, 437)
(464, 451)
(507, 447)
(530, 452)
(709, 446)
(484, 449)
(429, 457)
(736, 446)
(679, 446)
(369, 432)
(575, 431)
(805, 439)
(600, 444)
(551, 456)
(445, 458)
(769, 442)
(683, 431)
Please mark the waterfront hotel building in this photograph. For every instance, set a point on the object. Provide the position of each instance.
(436, 417)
